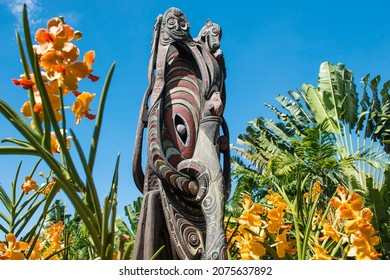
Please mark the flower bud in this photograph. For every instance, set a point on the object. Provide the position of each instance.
(77, 35)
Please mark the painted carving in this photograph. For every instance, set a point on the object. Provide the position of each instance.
(185, 186)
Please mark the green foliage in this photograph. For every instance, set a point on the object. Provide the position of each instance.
(99, 219)
(324, 133)
(25, 213)
(379, 201)
(125, 234)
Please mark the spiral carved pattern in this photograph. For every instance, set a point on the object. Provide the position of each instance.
(186, 224)
(186, 100)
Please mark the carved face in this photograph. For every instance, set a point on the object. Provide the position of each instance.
(176, 25)
(211, 34)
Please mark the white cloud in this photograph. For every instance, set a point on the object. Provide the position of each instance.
(16, 8)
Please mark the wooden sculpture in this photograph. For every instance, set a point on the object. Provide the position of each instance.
(185, 183)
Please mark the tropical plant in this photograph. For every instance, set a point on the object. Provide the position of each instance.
(51, 71)
(325, 133)
(25, 212)
(360, 132)
(276, 229)
(125, 237)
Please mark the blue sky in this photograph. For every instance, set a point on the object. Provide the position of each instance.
(270, 47)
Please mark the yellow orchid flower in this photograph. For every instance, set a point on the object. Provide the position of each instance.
(56, 36)
(53, 235)
(339, 201)
(29, 185)
(55, 145)
(329, 231)
(348, 205)
(38, 109)
(363, 248)
(37, 250)
(317, 218)
(275, 217)
(273, 197)
(81, 106)
(14, 248)
(320, 253)
(89, 59)
(315, 191)
(251, 214)
(282, 245)
(249, 245)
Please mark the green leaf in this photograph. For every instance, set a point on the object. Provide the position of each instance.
(385, 92)
(122, 227)
(5, 218)
(19, 123)
(12, 150)
(133, 212)
(5, 199)
(155, 256)
(318, 108)
(27, 34)
(3, 229)
(31, 97)
(364, 105)
(330, 89)
(25, 219)
(91, 192)
(99, 118)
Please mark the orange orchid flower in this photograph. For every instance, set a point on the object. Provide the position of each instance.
(250, 246)
(25, 83)
(29, 185)
(89, 59)
(49, 186)
(81, 106)
(362, 246)
(320, 253)
(275, 217)
(251, 214)
(53, 235)
(55, 145)
(37, 250)
(38, 109)
(282, 245)
(56, 36)
(14, 248)
(329, 231)
(63, 70)
(273, 197)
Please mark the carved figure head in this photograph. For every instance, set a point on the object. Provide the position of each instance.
(175, 24)
(211, 35)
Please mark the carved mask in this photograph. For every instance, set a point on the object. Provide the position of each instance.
(211, 34)
(176, 25)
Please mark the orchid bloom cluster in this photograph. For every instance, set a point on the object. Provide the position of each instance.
(351, 226)
(13, 249)
(359, 232)
(257, 223)
(31, 185)
(53, 237)
(61, 72)
(348, 223)
(43, 248)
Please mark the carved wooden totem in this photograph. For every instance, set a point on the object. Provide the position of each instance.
(185, 185)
